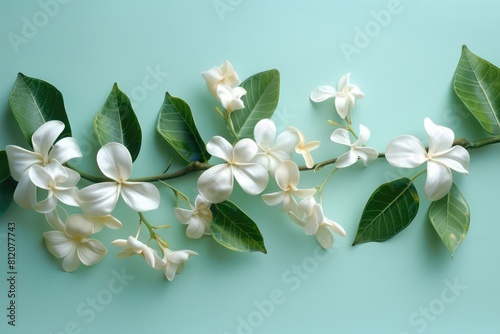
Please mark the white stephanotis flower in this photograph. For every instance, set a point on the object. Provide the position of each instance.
(345, 96)
(310, 215)
(197, 217)
(287, 177)
(47, 154)
(61, 188)
(216, 183)
(358, 150)
(271, 153)
(222, 75)
(409, 152)
(99, 199)
(133, 246)
(173, 262)
(74, 244)
(230, 97)
(304, 148)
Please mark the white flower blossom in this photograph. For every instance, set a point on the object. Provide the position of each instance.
(345, 96)
(222, 75)
(197, 217)
(173, 262)
(74, 244)
(287, 177)
(132, 246)
(357, 149)
(47, 154)
(216, 183)
(272, 152)
(230, 97)
(99, 199)
(304, 148)
(409, 152)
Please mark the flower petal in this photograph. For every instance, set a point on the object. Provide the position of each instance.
(101, 221)
(219, 147)
(440, 138)
(40, 177)
(439, 180)
(347, 159)
(91, 251)
(287, 174)
(406, 152)
(364, 135)
(264, 133)
(273, 199)
(366, 154)
(114, 161)
(45, 136)
(65, 150)
(456, 158)
(244, 150)
(58, 243)
(323, 93)
(99, 199)
(71, 261)
(21, 159)
(341, 136)
(252, 178)
(216, 183)
(79, 226)
(286, 142)
(25, 193)
(212, 78)
(47, 205)
(342, 106)
(324, 237)
(195, 229)
(140, 196)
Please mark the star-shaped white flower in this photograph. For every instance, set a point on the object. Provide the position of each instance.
(222, 75)
(99, 199)
(216, 183)
(357, 149)
(230, 97)
(409, 152)
(271, 153)
(173, 262)
(47, 154)
(304, 148)
(197, 218)
(74, 244)
(132, 246)
(345, 96)
(287, 177)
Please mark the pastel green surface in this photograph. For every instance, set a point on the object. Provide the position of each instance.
(404, 65)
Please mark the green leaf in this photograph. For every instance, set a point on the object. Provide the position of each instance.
(477, 84)
(35, 102)
(390, 209)
(450, 216)
(176, 125)
(263, 90)
(233, 229)
(7, 183)
(117, 122)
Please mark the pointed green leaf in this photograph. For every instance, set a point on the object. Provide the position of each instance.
(176, 125)
(450, 216)
(117, 122)
(233, 229)
(7, 183)
(34, 102)
(477, 84)
(263, 90)
(390, 209)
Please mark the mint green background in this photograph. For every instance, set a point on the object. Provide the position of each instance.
(405, 71)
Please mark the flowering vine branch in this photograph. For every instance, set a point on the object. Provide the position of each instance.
(255, 156)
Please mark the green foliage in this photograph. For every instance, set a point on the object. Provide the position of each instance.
(390, 209)
(232, 228)
(176, 125)
(261, 100)
(35, 102)
(117, 122)
(477, 84)
(7, 183)
(450, 216)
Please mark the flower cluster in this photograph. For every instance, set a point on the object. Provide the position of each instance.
(45, 169)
